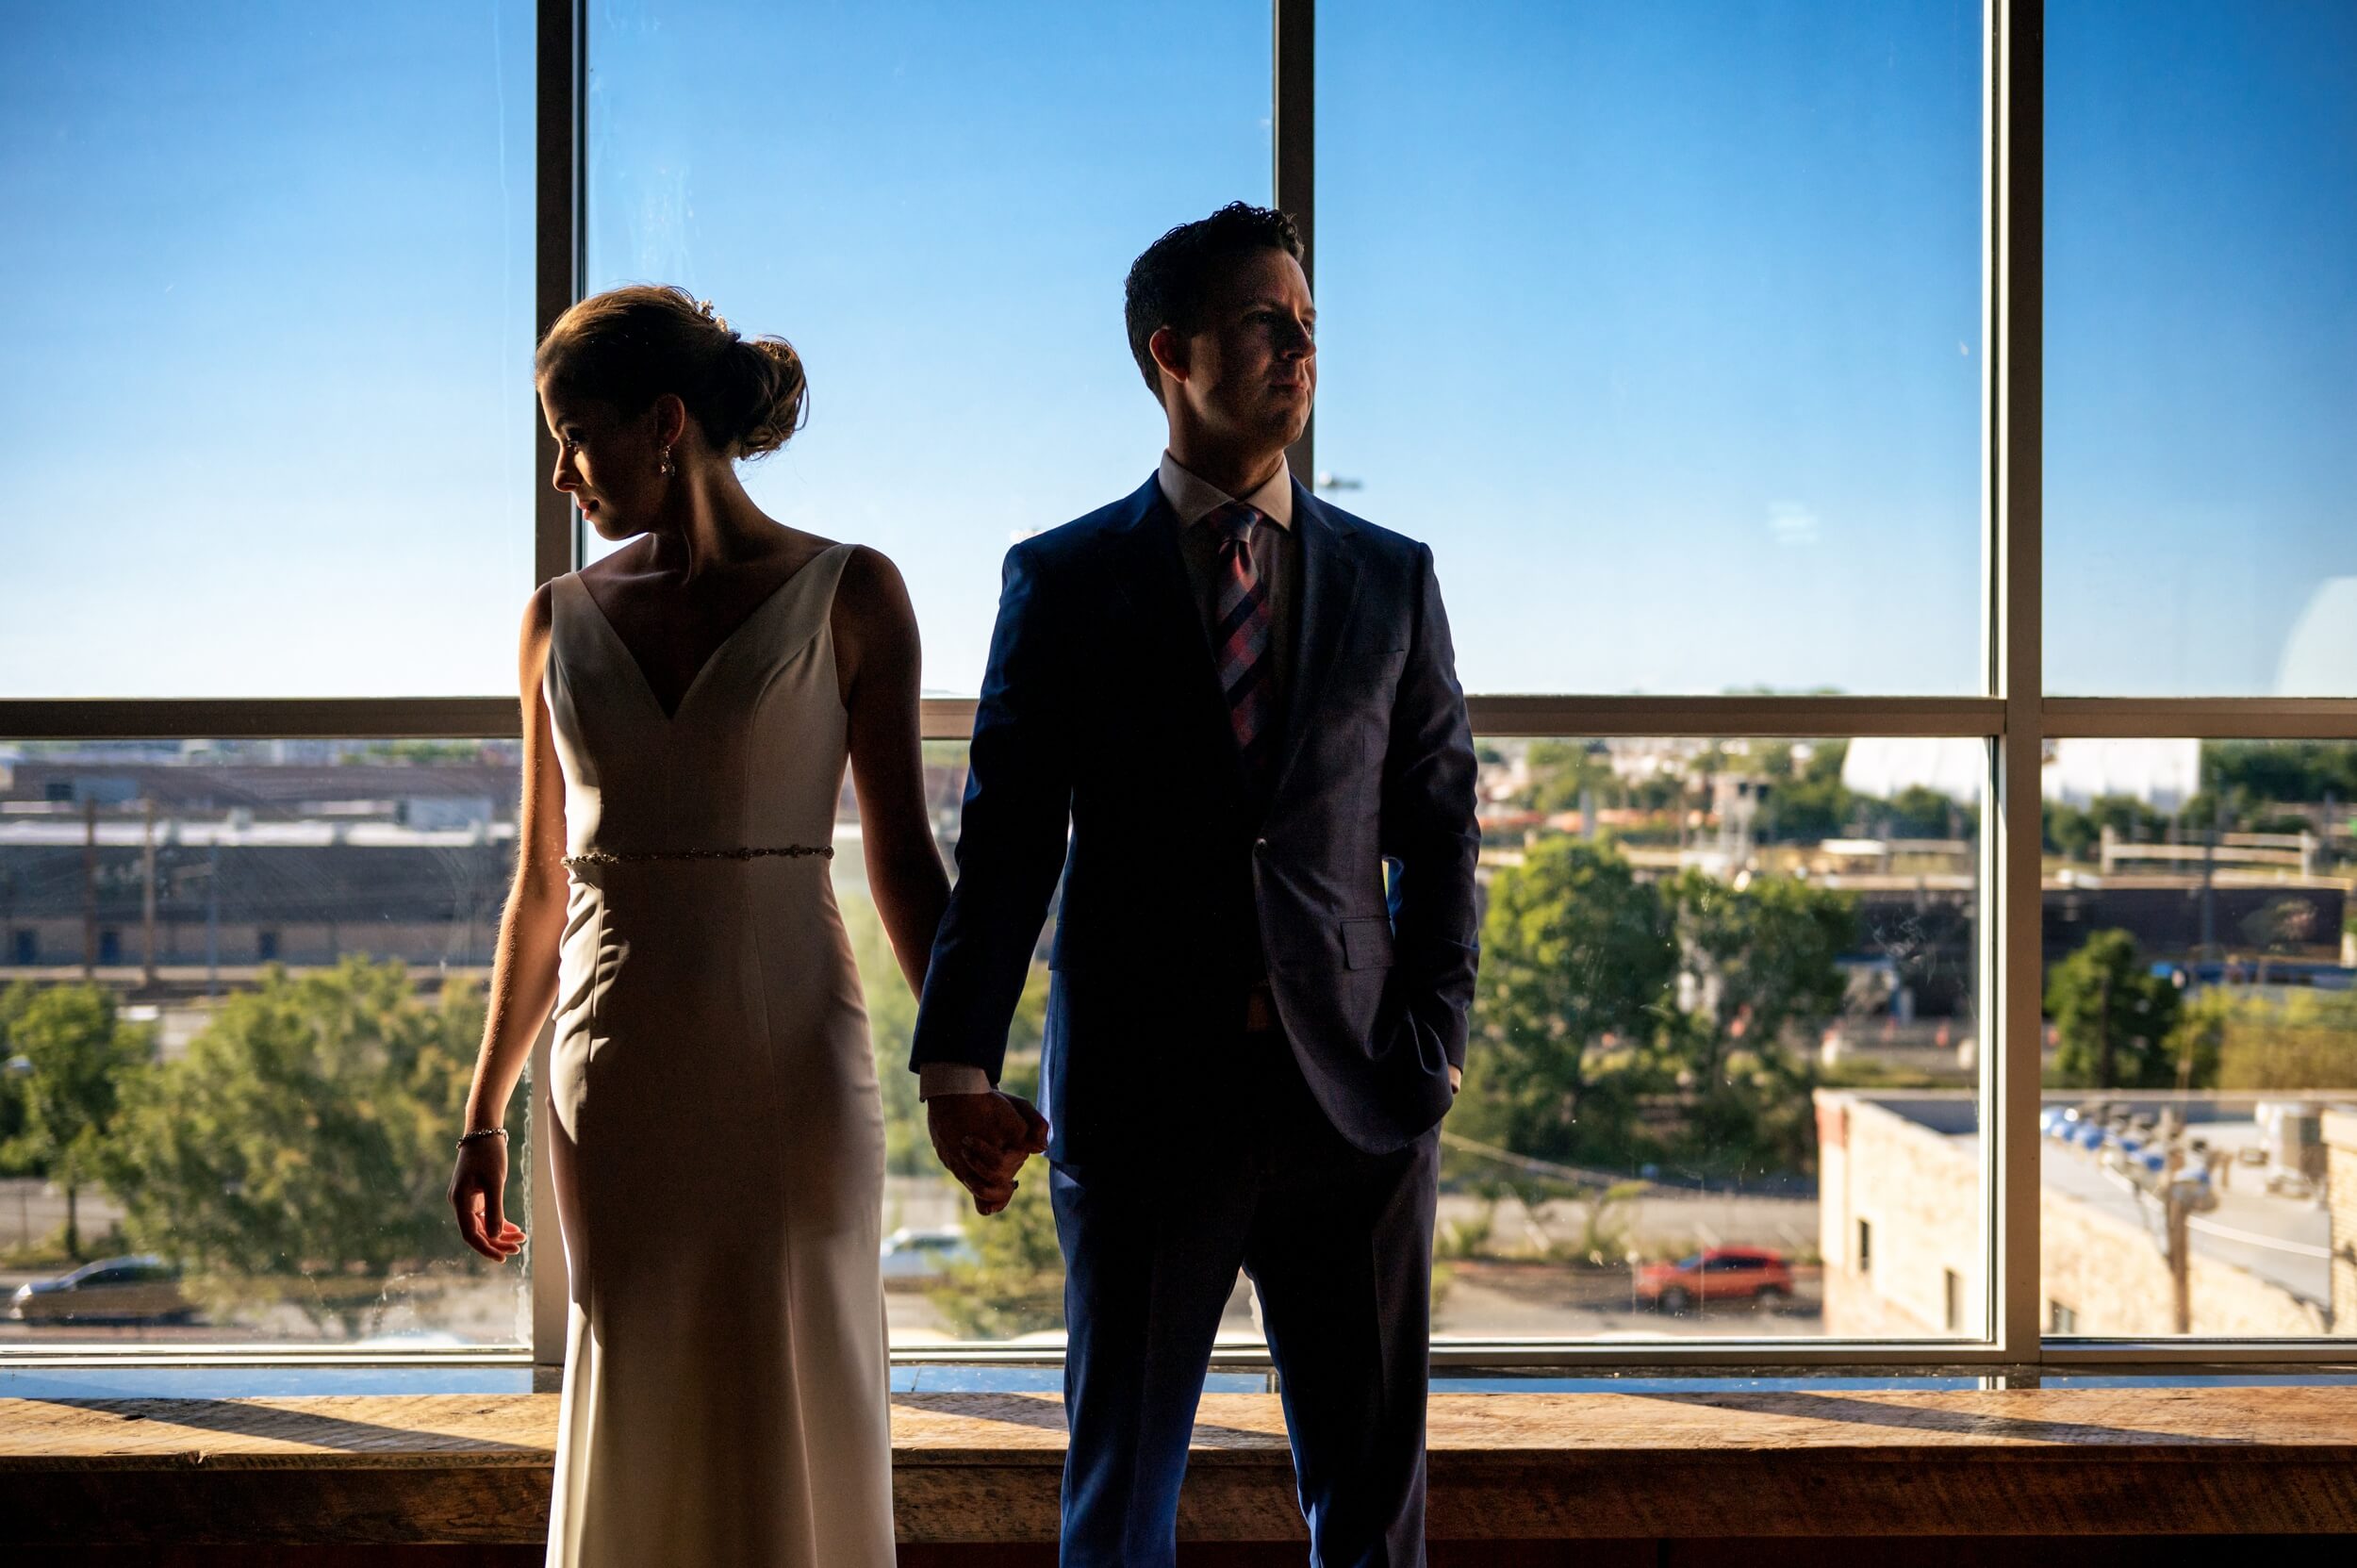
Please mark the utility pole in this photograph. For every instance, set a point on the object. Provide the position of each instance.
(2209, 860)
(2177, 1199)
(89, 887)
(147, 901)
(212, 917)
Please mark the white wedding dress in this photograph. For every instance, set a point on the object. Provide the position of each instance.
(717, 1137)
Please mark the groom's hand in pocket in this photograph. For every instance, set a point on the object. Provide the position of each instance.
(983, 1140)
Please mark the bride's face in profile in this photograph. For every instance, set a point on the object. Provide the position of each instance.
(610, 466)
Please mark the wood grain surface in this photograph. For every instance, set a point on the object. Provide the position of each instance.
(1526, 1467)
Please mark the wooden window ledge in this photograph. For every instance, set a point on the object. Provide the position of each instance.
(983, 1468)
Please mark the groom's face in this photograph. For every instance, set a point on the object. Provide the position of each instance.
(1249, 370)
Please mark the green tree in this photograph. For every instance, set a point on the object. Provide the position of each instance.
(2067, 831)
(2306, 772)
(15, 1158)
(2115, 1018)
(79, 1057)
(1576, 968)
(1561, 773)
(1920, 811)
(306, 1134)
(1015, 1283)
(1765, 954)
(891, 1026)
(2077, 834)
(1764, 957)
(1806, 800)
(2303, 1042)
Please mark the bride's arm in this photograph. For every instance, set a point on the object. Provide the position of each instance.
(523, 969)
(877, 661)
(983, 1136)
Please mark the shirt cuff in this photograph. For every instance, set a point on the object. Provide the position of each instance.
(950, 1077)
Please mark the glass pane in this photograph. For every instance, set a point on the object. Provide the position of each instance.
(265, 350)
(2200, 237)
(1627, 306)
(937, 205)
(1719, 977)
(1726, 1030)
(2199, 1154)
(240, 998)
(949, 1274)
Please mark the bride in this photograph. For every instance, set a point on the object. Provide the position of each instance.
(690, 703)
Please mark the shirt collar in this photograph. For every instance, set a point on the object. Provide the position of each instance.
(1195, 498)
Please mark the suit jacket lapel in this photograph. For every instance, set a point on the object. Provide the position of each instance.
(1329, 592)
(1153, 581)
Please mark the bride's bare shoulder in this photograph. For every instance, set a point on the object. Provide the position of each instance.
(871, 587)
(539, 613)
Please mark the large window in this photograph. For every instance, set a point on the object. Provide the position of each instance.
(241, 992)
(1664, 324)
(1696, 953)
(265, 348)
(937, 205)
(1849, 437)
(2201, 186)
(2200, 1060)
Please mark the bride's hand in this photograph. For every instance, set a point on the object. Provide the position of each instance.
(982, 1139)
(476, 1187)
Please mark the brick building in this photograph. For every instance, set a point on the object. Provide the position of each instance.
(2276, 1256)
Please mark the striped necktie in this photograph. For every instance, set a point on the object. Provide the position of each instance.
(1241, 640)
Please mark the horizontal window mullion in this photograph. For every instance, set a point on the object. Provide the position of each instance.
(2069, 1352)
(2058, 1355)
(1764, 716)
(948, 719)
(1475, 1355)
(952, 718)
(2200, 717)
(145, 1355)
(262, 719)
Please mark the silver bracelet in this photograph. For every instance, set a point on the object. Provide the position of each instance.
(499, 1133)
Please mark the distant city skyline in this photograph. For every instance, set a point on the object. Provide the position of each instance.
(1663, 328)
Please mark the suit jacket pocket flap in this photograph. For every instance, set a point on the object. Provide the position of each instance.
(1367, 944)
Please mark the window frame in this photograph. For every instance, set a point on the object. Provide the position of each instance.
(2013, 714)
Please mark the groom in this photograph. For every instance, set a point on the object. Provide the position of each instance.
(1228, 714)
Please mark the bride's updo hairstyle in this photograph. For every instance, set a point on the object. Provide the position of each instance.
(629, 346)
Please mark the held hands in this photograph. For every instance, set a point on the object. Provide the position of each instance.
(475, 1189)
(983, 1140)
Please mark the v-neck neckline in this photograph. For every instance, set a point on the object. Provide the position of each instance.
(646, 687)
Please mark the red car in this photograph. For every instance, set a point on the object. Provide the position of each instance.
(1716, 1274)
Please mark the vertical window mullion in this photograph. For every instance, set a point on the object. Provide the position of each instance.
(1293, 119)
(556, 242)
(2011, 1082)
(557, 239)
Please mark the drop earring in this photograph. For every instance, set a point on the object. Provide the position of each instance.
(663, 465)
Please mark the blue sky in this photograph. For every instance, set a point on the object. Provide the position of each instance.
(1660, 324)
(2201, 338)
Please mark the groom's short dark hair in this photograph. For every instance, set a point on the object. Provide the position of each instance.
(1170, 284)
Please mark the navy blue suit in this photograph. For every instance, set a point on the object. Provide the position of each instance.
(1183, 1147)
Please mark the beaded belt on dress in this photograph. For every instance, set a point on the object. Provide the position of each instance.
(790, 851)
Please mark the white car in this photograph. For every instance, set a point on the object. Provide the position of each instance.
(911, 1254)
(144, 1289)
